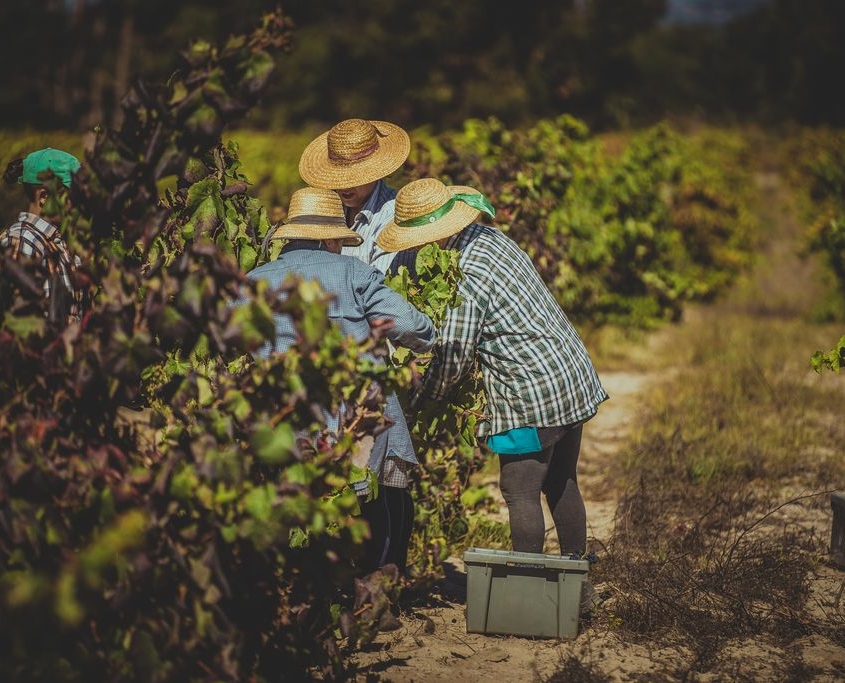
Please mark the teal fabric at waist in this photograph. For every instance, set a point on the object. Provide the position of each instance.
(515, 441)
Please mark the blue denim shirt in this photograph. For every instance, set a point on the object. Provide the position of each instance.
(361, 296)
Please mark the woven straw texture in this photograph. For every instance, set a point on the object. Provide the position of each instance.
(419, 198)
(354, 152)
(316, 214)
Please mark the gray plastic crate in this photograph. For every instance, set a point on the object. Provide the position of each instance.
(523, 594)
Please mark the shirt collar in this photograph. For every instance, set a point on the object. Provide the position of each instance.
(373, 203)
(301, 245)
(457, 240)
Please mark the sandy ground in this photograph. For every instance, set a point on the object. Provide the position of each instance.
(433, 644)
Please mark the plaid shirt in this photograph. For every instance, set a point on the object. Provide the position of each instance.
(395, 472)
(535, 369)
(34, 238)
(369, 222)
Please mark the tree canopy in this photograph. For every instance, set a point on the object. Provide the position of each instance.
(441, 62)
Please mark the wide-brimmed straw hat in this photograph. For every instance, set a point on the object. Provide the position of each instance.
(316, 214)
(354, 152)
(426, 210)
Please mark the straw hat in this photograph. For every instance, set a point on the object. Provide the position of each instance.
(354, 152)
(316, 214)
(426, 210)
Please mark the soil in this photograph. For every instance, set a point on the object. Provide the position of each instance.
(432, 643)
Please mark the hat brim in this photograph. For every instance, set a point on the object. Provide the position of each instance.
(318, 170)
(316, 231)
(398, 238)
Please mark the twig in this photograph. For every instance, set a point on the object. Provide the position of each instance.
(278, 417)
(770, 513)
(463, 642)
(839, 595)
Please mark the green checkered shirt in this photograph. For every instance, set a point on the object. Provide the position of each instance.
(535, 368)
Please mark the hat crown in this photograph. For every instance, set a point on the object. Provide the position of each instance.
(352, 140)
(353, 153)
(315, 214)
(420, 197)
(315, 203)
(60, 163)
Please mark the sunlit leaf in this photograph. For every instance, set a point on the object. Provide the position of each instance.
(273, 445)
(259, 502)
(24, 326)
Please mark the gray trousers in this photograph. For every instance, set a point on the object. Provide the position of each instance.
(550, 472)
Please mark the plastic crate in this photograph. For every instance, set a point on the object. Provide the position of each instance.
(523, 594)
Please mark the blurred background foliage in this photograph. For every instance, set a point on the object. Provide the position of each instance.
(613, 64)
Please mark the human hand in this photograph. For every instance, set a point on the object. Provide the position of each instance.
(380, 328)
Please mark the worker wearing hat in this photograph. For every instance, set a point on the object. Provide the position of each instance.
(35, 236)
(353, 158)
(539, 382)
(315, 231)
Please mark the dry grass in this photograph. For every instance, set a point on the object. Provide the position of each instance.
(722, 531)
(723, 526)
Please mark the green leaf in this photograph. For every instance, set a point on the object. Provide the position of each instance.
(273, 445)
(474, 496)
(206, 206)
(24, 326)
(225, 494)
(247, 257)
(68, 607)
(401, 355)
(259, 502)
(315, 322)
(237, 404)
(184, 483)
(205, 391)
(255, 323)
(300, 473)
(108, 548)
(257, 71)
(298, 538)
(204, 122)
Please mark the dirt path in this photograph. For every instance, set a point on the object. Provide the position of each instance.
(432, 643)
(604, 438)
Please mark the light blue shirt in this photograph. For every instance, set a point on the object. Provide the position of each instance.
(361, 296)
(369, 222)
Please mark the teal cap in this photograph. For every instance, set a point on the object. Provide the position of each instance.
(60, 163)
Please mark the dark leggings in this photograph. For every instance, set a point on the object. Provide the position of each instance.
(550, 472)
(391, 519)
